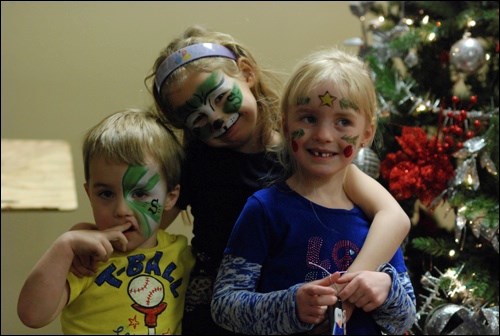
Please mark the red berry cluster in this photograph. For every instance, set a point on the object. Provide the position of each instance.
(458, 127)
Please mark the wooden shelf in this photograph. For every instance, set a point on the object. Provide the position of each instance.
(37, 175)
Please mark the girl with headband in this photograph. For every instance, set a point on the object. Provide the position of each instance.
(210, 86)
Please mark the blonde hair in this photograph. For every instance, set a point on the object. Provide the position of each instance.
(129, 136)
(348, 74)
(266, 89)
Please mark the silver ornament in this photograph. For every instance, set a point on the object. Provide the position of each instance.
(368, 161)
(411, 58)
(467, 55)
(449, 319)
(488, 320)
(453, 319)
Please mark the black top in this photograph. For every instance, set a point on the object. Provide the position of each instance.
(216, 184)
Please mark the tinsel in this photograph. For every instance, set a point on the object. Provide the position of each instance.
(418, 169)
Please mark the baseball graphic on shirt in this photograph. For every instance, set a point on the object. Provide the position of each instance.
(146, 291)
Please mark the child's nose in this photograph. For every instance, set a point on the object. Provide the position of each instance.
(216, 119)
(324, 132)
(123, 208)
(217, 124)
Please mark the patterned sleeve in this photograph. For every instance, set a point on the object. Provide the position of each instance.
(398, 313)
(237, 307)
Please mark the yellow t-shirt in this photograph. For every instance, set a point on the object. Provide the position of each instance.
(139, 293)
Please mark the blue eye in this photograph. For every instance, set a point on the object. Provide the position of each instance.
(344, 122)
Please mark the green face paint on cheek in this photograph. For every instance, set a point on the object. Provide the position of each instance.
(350, 139)
(136, 183)
(200, 96)
(234, 100)
(298, 134)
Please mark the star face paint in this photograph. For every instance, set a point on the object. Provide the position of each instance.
(327, 99)
(201, 113)
(142, 191)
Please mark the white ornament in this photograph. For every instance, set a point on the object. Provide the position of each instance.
(368, 161)
(467, 55)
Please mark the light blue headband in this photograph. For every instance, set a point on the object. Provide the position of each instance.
(188, 54)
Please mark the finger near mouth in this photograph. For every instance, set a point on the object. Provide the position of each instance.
(130, 229)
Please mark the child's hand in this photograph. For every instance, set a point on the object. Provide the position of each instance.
(347, 306)
(83, 265)
(83, 226)
(313, 298)
(92, 246)
(367, 290)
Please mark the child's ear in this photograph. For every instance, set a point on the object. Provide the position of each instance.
(247, 70)
(171, 198)
(368, 135)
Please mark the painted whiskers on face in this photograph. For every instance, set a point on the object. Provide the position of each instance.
(202, 112)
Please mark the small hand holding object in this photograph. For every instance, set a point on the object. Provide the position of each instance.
(367, 290)
(337, 315)
(313, 299)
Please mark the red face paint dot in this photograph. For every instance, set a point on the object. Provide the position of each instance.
(295, 147)
(348, 151)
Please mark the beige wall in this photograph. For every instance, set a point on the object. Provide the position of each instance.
(66, 65)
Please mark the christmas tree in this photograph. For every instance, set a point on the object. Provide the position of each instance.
(435, 67)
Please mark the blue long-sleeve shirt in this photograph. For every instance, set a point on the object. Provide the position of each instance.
(276, 238)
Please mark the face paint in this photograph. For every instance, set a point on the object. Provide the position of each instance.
(137, 181)
(234, 100)
(198, 112)
(303, 101)
(348, 151)
(327, 99)
(200, 97)
(346, 104)
(350, 139)
(296, 135)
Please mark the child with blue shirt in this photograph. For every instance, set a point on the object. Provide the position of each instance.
(284, 263)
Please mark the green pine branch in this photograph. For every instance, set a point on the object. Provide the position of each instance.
(437, 247)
